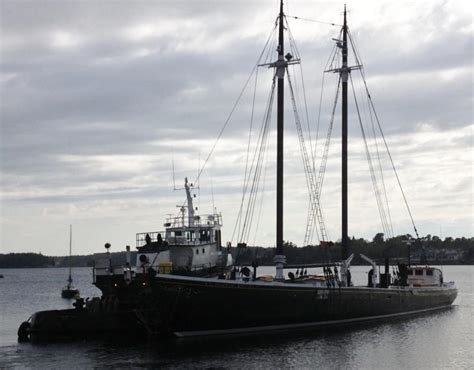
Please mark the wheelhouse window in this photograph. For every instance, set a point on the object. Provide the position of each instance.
(419, 272)
(204, 235)
(429, 272)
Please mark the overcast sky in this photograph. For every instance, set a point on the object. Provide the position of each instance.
(98, 98)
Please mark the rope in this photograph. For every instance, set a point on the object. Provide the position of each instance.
(371, 168)
(372, 106)
(258, 169)
(261, 201)
(234, 106)
(250, 137)
(313, 20)
(379, 168)
(324, 157)
(256, 163)
(297, 54)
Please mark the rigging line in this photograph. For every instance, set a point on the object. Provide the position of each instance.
(393, 164)
(371, 168)
(310, 180)
(380, 168)
(389, 154)
(253, 199)
(356, 51)
(318, 124)
(257, 158)
(334, 57)
(258, 170)
(253, 194)
(369, 159)
(272, 48)
(310, 216)
(320, 108)
(249, 138)
(312, 152)
(252, 213)
(257, 148)
(262, 131)
(262, 194)
(324, 157)
(375, 166)
(235, 106)
(252, 165)
(313, 20)
(310, 169)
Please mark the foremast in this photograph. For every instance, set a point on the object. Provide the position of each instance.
(280, 65)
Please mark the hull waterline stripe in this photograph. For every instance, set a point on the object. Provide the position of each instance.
(269, 328)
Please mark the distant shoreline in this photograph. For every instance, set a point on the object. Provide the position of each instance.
(428, 250)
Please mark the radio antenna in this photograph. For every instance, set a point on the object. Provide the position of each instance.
(174, 182)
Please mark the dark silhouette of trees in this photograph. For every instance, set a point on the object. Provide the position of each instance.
(19, 260)
(430, 249)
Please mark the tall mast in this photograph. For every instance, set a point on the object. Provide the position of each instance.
(280, 71)
(344, 76)
(280, 126)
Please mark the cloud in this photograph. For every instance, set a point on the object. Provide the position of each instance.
(97, 101)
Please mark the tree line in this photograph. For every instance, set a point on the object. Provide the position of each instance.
(429, 249)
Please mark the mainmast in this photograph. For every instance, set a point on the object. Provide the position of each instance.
(280, 71)
(344, 77)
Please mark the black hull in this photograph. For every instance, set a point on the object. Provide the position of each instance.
(73, 323)
(69, 293)
(183, 306)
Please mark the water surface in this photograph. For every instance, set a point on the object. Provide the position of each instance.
(441, 340)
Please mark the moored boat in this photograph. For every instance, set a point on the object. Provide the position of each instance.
(170, 292)
(190, 245)
(69, 291)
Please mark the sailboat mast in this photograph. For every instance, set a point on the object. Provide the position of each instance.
(344, 77)
(70, 252)
(280, 127)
